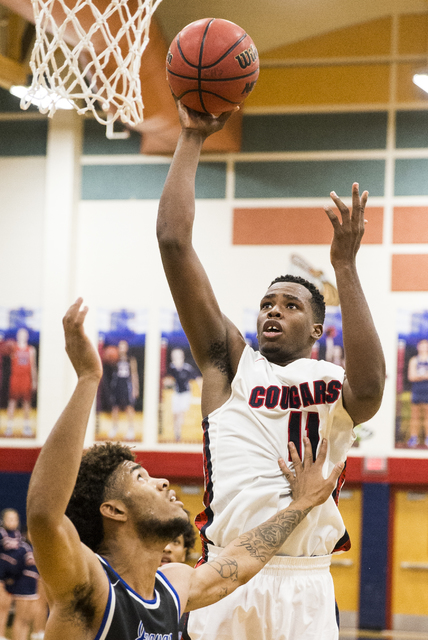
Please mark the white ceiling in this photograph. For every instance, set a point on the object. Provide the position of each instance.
(272, 23)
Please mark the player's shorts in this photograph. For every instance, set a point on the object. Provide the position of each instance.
(181, 401)
(121, 393)
(290, 599)
(24, 586)
(419, 397)
(20, 388)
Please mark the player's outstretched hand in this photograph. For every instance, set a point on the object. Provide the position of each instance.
(82, 353)
(306, 479)
(348, 234)
(205, 123)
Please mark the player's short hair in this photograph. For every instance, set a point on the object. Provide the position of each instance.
(317, 300)
(189, 537)
(91, 489)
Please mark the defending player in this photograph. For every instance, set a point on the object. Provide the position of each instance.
(255, 403)
(107, 504)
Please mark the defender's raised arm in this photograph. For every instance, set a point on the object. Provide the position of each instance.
(60, 557)
(245, 556)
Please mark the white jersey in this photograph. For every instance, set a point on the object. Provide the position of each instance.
(269, 406)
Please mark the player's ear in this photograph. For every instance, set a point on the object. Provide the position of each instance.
(114, 510)
(317, 331)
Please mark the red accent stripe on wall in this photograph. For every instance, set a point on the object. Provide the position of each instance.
(409, 272)
(188, 466)
(410, 225)
(295, 225)
(168, 464)
(19, 460)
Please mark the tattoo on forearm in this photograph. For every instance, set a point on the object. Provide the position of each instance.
(226, 567)
(271, 535)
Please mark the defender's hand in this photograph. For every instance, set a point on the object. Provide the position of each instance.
(82, 353)
(348, 234)
(204, 123)
(306, 479)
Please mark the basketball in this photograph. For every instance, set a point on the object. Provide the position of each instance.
(110, 354)
(8, 347)
(212, 65)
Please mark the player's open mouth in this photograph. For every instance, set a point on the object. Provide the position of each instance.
(173, 498)
(271, 329)
(165, 560)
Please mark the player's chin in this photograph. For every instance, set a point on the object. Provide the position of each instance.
(269, 347)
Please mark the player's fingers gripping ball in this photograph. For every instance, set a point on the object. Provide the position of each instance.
(212, 65)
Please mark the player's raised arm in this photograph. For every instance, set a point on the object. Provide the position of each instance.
(199, 313)
(249, 553)
(60, 557)
(365, 364)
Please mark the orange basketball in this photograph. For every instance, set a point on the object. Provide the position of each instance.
(212, 65)
(110, 355)
(8, 347)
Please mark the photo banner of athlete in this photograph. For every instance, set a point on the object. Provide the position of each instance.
(121, 345)
(180, 385)
(412, 380)
(19, 356)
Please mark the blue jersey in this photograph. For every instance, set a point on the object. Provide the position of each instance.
(129, 617)
(10, 553)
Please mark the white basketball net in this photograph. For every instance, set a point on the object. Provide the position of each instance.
(118, 94)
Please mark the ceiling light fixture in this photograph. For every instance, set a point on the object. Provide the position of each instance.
(421, 80)
(41, 98)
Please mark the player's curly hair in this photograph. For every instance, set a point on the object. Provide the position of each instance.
(317, 300)
(93, 483)
(189, 537)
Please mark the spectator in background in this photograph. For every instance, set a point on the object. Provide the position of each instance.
(179, 550)
(18, 579)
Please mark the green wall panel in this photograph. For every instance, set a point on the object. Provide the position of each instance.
(307, 179)
(411, 129)
(314, 132)
(145, 181)
(23, 137)
(411, 177)
(95, 141)
(10, 103)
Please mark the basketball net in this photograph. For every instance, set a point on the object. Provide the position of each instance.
(87, 79)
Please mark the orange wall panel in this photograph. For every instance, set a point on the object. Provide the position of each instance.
(412, 36)
(407, 91)
(365, 39)
(409, 272)
(295, 225)
(353, 84)
(410, 225)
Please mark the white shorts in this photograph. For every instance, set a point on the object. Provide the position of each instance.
(290, 599)
(181, 401)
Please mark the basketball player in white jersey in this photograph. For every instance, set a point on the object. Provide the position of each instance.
(99, 524)
(255, 403)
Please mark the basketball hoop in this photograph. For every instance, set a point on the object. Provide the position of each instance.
(102, 66)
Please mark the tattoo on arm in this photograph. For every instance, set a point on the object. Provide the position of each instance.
(226, 567)
(271, 535)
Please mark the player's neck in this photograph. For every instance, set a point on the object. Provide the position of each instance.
(283, 359)
(136, 562)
